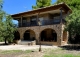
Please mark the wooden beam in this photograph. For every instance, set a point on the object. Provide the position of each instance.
(61, 15)
(38, 17)
(21, 21)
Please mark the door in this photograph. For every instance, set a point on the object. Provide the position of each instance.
(27, 36)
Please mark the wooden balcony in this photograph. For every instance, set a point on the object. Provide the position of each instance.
(43, 22)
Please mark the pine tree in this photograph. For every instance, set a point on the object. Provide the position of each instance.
(42, 3)
(6, 25)
(73, 20)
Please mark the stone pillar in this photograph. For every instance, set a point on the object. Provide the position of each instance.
(21, 36)
(21, 33)
(67, 37)
(37, 37)
(60, 36)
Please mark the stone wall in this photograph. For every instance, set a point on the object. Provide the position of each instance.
(38, 29)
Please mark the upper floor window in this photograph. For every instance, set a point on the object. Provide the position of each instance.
(24, 21)
(33, 18)
(55, 18)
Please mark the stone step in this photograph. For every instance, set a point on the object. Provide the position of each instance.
(27, 43)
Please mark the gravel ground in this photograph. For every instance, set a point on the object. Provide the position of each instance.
(34, 50)
(23, 47)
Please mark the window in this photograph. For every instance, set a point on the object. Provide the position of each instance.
(24, 21)
(56, 19)
(33, 20)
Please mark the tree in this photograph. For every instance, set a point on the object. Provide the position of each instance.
(2, 14)
(73, 20)
(72, 3)
(6, 25)
(42, 3)
(9, 31)
(1, 2)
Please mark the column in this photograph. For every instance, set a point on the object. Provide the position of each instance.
(59, 38)
(38, 18)
(61, 16)
(21, 21)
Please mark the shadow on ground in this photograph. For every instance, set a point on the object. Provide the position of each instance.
(71, 47)
(3, 44)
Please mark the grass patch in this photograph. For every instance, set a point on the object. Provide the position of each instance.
(62, 55)
(10, 51)
(28, 51)
(14, 51)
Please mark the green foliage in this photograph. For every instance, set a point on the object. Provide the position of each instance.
(10, 51)
(1, 39)
(61, 52)
(73, 20)
(61, 55)
(6, 26)
(72, 3)
(42, 3)
(1, 3)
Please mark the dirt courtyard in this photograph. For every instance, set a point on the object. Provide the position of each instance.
(24, 47)
(23, 50)
(33, 51)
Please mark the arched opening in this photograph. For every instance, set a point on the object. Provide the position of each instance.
(48, 35)
(29, 35)
(64, 35)
(16, 35)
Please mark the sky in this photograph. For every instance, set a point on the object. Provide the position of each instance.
(17, 6)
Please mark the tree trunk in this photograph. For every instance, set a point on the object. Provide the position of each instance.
(5, 41)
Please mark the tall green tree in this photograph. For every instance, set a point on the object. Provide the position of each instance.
(73, 20)
(42, 3)
(6, 25)
(1, 3)
(10, 29)
(72, 3)
(2, 14)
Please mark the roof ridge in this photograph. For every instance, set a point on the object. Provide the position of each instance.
(40, 8)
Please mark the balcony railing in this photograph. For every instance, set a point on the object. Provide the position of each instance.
(43, 22)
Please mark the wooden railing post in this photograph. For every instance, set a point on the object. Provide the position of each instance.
(21, 21)
(61, 15)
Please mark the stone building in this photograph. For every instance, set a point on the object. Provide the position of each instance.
(45, 25)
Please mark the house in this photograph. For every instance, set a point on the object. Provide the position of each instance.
(45, 25)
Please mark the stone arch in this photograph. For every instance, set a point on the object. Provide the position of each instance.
(29, 35)
(48, 28)
(48, 34)
(16, 35)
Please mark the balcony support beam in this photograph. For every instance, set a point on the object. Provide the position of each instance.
(38, 17)
(21, 21)
(61, 15)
